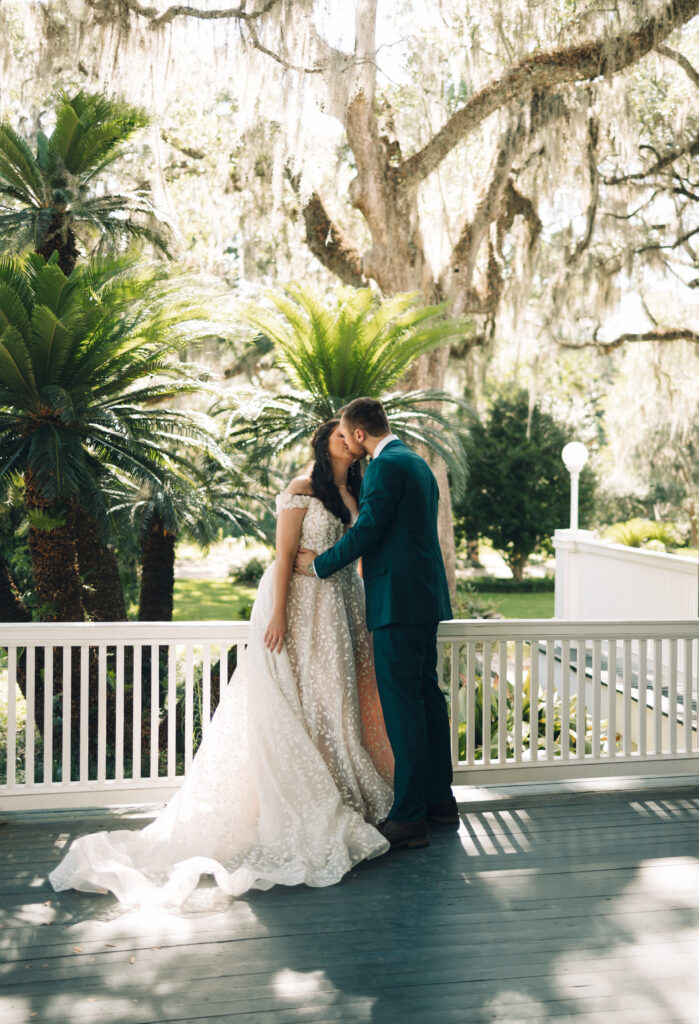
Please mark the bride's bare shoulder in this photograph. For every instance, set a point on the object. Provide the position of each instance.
(300, 485)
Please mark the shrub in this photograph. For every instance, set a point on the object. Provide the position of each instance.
(639, 533)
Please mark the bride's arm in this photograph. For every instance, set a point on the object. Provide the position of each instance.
(288, 534)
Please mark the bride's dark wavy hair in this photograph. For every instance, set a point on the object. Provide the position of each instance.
(322, 482)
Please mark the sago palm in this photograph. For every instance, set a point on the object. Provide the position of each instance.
(49, 198)
(336, 350)
(201, 495)
(85, 364)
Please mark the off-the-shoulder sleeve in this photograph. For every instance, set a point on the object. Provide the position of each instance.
(288, 501)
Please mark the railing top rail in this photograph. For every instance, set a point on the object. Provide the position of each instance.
(90, 633)
(555, 629)
(77, 633)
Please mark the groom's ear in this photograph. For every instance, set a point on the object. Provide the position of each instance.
(360, 435)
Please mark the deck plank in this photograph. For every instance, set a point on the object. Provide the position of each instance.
(542, 908)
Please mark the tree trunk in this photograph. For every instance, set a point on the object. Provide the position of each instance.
(517, 562)
(103, 593)
(473, 553)
(54, 565)
(58, 591)
(11, 607)
(693, 515)
(157, 574)
(61, 237)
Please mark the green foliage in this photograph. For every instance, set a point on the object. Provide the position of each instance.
(497, 584)
(54, 189)
(638, 533)
(486, 727)
(333, 351)
(250, 571)
(85, 363)
(470, 604)
(518, 489)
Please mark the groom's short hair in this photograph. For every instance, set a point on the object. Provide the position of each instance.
(366, 414)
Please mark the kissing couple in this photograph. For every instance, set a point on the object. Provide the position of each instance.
(330, 744)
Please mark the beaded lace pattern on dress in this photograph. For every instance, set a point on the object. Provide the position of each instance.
(295, 767)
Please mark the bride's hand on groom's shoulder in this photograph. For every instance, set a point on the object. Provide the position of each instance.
(275, 632)
(304, 561)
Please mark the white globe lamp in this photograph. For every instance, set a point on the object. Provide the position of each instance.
(574, 456)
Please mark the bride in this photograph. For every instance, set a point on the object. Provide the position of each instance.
(295, 769)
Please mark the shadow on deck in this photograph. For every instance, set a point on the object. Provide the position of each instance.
(544, 907)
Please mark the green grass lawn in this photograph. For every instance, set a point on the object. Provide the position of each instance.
(521, 606)
(211, 599)
(222, 599)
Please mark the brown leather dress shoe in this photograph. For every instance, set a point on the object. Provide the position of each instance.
(444, 813)
(404, 833)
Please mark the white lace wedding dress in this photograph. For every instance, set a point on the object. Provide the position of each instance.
(294, 769)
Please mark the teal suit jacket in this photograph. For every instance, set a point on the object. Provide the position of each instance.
(396, 537)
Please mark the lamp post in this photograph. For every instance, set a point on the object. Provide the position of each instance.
(574, 456)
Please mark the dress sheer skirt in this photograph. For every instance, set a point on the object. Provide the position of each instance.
(295, 769)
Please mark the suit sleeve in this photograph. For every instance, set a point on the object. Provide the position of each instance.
(378, 508)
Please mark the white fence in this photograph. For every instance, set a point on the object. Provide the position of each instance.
(596, 580)
(112, 713)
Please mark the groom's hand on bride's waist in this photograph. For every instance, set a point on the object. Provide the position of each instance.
(304, 561)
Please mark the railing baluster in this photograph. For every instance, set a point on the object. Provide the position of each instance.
(581, 702)
(206, 688)
(687, 696)
(502, 702)
(67, 714)
(119, 739)
(550, 667)
(137, 655)
(534, 700)
(171, 710)
(11, 715)
(102, 714)
(518, 701)
(672, 696)
(658, 697)
(471, 702)
(48, 714)
(596, 697)
(565, 699)
(611, 698)
(642, 696)
(627, 699)
(84, 713)
(154, 711)
(454, 701)
(188, 706)
(30, 734)
(487, 702)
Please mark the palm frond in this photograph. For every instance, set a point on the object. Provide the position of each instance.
(18, 166)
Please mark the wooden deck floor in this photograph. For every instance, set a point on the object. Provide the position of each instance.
(580, 907)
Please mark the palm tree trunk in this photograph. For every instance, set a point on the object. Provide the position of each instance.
(103, 593)
(54, 564)
(59, 237)
(11, 607)
(58, 590)
(157, 574)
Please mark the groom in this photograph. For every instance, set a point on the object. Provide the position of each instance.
(406, 597)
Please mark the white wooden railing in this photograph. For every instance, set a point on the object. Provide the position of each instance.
(611, 581)
(565, 699)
